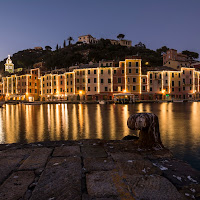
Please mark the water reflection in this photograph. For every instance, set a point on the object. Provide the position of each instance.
(179, 124)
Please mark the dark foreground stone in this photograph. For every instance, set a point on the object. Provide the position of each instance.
(94, 169)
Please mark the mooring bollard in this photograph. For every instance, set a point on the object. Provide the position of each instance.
(147, 123)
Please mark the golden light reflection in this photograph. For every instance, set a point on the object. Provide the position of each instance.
(57, 122)
(166, 120)
(147, 108)
(125, 118)
(194, 122)
(99, 122)
(86, 117)
(51, 122)
(112, 123)
(41, 123)
(80, 114)
(65, 121)
(74, 123)
(140, 107)
(25, 123)
(48, 117)
(29, 123)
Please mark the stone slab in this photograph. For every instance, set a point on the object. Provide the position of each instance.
(16, 185)
(152, 187)
(37, 159)
(126, 156)
(100, 184)
(107, 184)
(93, 151)
(142, 167)
(178, 172)
(7, 165)
(61, 180)
(66, 151)
(99, 164)
(16, 153)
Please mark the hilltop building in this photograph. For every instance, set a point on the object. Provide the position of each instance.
(88, 39)
(175, 60)
(38, 48)
(127, 43)
(9, 66)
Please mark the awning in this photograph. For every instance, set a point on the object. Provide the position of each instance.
(16, 95)
(123, 94)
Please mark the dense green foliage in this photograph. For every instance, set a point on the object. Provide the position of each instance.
(190, 54)
(120, 36)
(84, 53)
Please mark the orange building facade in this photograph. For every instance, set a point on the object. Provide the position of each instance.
(103, 82)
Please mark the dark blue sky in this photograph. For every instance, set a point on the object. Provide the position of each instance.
(29, 23)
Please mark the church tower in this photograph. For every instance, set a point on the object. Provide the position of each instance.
(9, 66)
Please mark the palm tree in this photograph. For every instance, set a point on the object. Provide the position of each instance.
(70, 39)
(121, 36)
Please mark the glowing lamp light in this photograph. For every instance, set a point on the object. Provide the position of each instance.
(124, 91)
(80, 92)
(163, 91)
(146, 63)
(27, 93)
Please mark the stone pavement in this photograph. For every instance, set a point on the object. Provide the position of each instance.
(93, 169)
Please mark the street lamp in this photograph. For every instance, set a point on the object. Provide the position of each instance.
(80, 93)
(163, 91)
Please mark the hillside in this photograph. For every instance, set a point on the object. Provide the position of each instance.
(76, 54)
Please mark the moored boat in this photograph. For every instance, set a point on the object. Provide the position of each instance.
(177, 101)
(102, 102)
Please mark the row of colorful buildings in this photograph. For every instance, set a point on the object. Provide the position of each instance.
(103, 82)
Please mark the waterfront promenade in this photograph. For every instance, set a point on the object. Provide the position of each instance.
(93, 169)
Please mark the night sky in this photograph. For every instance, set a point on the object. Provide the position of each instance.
(29, 23)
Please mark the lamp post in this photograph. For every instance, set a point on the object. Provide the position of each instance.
(124, 91)
(163, 92)
(80, 93)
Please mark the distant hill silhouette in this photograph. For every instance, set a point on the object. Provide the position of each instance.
(83, 53)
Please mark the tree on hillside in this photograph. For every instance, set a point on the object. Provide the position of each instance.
(48, 48)
(140, 45)
(120, 36)
(162, 50)
(190, 54)
(70, 39)
(57, 47)
(64, 44)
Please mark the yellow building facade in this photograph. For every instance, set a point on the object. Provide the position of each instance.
(103, 82)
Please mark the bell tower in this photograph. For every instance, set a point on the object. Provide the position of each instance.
(9, 66)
